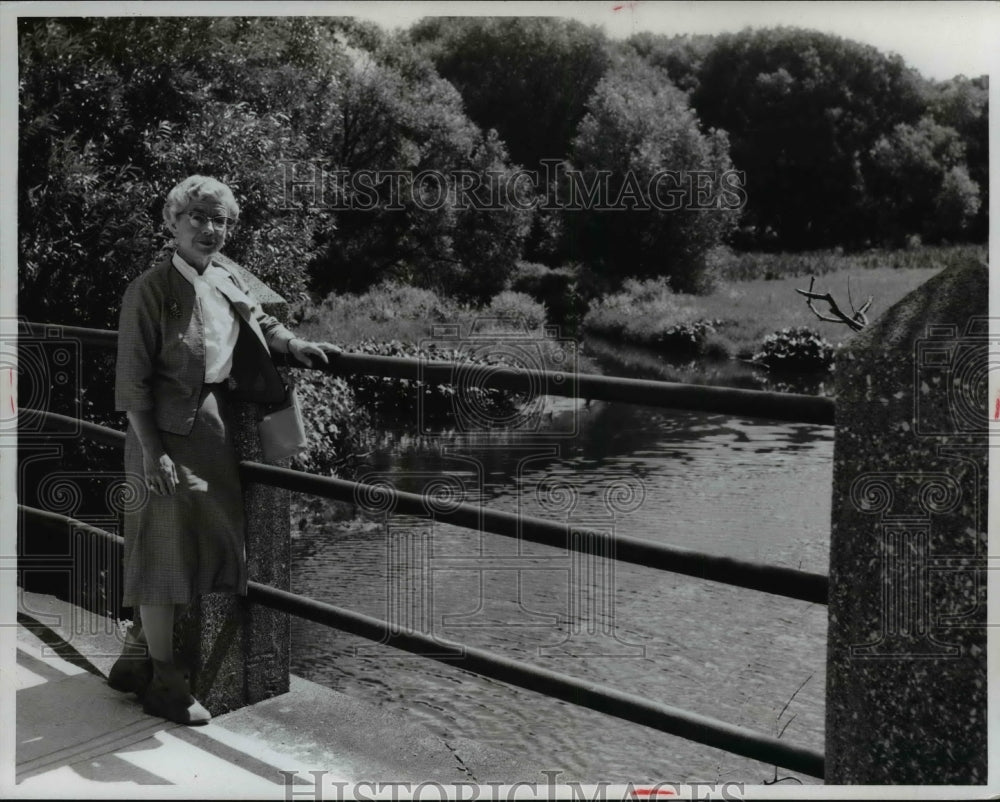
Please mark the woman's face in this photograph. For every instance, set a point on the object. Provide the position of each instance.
(199, 232)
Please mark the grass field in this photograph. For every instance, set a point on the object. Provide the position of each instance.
(753, 309)
(756, 296)
(748, 266)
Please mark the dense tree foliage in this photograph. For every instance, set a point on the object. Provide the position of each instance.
(963, 104)
(658, 205)
(814, 121)
(920, 180)
(803, 110)
(527, 77)
(404, 125)
(680, 57)
(114, 111)
(840, 146)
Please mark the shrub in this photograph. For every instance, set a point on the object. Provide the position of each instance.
(401, 400)
(559, 289)
(391, 300)
(691, 339)
(518, 310)
(649, 313)
(388, 311)
(716, 346)
(639, 312)
(334, 422)
(711, 275)
(795, 350)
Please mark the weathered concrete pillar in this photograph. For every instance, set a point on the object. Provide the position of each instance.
(906, 670)
(239, 653)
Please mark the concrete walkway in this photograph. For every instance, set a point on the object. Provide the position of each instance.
(76, 737)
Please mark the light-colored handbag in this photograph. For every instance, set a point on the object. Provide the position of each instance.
(282, 430)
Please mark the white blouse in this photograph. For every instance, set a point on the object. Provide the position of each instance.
(221, 326)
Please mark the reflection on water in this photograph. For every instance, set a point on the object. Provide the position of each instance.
(751, 489)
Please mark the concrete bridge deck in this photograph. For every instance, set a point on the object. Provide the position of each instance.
(78, 738)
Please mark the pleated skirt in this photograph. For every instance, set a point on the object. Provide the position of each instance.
(192, 542)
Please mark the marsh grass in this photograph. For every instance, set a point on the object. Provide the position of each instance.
(751, 310)
(771, 266)
(395, 312)
(754, 296)
(742, 313)
(384, 313)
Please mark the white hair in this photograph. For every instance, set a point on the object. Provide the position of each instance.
(198, 187)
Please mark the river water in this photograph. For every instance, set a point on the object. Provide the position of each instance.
(752, 489)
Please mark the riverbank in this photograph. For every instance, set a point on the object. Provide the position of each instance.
(699, 339)
(754, 296)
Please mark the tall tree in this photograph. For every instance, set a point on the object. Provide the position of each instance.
(803, 110)
(402, 125)
(651, 192)
(114, 111)
(681, 57)
(963, 104)
(527, 77)
(919, 183)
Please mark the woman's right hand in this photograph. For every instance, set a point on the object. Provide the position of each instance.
(159, 470)
(161, 473)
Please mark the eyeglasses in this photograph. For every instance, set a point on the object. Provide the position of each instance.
(201, 220)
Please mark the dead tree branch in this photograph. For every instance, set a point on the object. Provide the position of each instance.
(857, 320)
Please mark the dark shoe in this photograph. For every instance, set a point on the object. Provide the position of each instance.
(169, 696)
(133, 671)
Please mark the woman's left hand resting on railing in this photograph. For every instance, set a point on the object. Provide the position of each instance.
(304, 351)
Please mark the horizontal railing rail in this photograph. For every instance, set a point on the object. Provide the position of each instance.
(777, 580)
(788, 407)
(629, 707)
(52, 520)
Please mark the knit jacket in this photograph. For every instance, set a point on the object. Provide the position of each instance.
(161, 349)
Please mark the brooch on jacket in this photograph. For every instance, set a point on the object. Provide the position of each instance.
(173, 308)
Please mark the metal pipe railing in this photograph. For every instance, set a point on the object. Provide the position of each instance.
(790, 407)
(100, 338)
(55, 519)
(629, 707)
(777, 580)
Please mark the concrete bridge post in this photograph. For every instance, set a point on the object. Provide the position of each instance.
(906, 658)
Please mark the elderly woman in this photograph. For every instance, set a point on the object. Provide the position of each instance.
(191, 339)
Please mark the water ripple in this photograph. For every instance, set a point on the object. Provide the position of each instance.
(748, 489)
